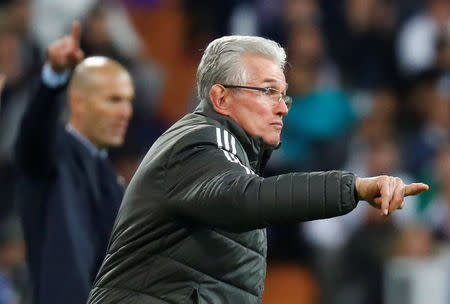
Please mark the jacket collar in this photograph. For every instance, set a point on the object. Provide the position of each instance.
(95, 152)
(258, 152)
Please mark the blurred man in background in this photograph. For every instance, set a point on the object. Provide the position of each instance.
(69, 195)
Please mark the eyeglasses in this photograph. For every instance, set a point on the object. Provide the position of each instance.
(273, 94)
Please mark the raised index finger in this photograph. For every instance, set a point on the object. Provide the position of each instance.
(76, 33)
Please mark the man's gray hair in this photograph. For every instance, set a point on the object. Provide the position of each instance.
(221, 62)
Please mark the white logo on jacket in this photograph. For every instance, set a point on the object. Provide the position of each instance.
(227, 143)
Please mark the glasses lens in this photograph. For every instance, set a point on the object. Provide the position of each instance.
(288, 101)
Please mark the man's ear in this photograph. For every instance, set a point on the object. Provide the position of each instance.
(217, 95)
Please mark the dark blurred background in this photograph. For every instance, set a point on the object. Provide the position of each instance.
(371, 86)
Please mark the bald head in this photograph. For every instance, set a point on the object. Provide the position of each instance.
(100, 95)
(90, 71)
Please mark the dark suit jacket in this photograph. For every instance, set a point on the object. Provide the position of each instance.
(67, 212)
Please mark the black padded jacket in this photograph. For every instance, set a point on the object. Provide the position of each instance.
(191, 228)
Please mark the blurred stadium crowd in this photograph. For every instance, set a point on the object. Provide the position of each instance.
(371, 86)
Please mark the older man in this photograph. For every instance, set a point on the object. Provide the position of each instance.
(191, 228)
(69, 196)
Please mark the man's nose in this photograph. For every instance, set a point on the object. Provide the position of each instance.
(126, 110)
(281, 108)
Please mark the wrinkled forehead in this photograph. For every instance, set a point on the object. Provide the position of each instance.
(263, 70)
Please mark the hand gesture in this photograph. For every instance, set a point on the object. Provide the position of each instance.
(386, 192)
(65, 53)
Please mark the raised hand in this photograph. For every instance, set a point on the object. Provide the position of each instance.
(65, 53)
(386, 192)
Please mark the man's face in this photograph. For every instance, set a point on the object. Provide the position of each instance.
(256, 113)
(107, 108)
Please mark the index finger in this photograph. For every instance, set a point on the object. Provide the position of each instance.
(415, 188)
(76, 33)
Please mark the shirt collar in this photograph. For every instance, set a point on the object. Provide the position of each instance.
(102, 153)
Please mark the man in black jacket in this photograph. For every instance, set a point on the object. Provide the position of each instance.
(69, 196)
(191, 228)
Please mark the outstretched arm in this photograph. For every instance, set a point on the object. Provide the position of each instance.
(205, 186)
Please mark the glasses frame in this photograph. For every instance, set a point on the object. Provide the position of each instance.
(287, 99)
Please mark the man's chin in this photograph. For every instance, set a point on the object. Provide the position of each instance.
(272, 142)
(114, 142)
